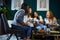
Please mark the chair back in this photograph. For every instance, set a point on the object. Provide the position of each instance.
(5, 23)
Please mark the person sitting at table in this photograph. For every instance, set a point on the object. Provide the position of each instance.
(28, 20)
(50, 20)
(19, 24)
(38, 22)
(38, 18)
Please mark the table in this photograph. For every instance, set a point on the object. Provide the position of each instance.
(54, 34)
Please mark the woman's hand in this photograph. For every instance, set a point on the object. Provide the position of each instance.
(52, 25)
(25, 23)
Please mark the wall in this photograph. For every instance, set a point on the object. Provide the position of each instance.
(54, 5)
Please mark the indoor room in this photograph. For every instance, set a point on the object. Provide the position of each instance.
(30, 20)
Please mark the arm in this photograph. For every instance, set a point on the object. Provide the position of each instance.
(19, 17)
(55, 22)
(25, 20)
(41, 19)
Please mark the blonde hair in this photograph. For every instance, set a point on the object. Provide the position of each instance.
(51, 15)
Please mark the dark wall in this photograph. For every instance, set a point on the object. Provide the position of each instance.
(9, 13)
(54, 5)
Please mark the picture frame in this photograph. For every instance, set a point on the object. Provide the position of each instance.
(16, 4)
(42, 5)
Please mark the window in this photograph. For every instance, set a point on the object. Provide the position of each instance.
(16, 4)
(42, 5)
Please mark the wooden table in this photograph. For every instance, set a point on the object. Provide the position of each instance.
(54, 34)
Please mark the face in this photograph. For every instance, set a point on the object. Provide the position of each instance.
(30, 10)
(35, 14)
(48, 14)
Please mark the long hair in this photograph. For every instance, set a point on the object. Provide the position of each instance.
(37, 17)
(31, 14)
(51, 15)
(24, 6)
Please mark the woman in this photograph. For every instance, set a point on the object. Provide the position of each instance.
(38, 22)
(38, 17)
(28, 18)
(50, 20)
(19, 24)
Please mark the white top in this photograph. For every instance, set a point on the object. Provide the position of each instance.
(41, 19)
(29, 21)
(25, 18)
(49, 21)
(36, 20)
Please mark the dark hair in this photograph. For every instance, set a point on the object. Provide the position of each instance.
(36, 17)
(24, 6)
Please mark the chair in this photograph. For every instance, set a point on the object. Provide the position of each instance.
(8, 30)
